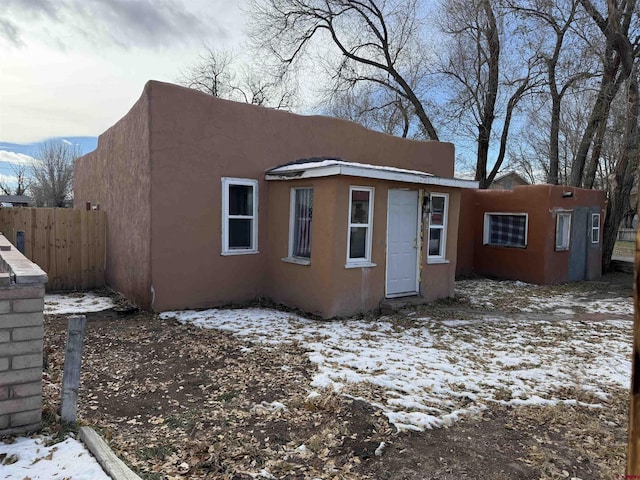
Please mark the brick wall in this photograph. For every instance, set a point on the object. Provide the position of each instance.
(21, 332)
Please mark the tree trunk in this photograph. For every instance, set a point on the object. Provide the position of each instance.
(483, 154)
(596, 151)
(608, 88)
(554, 156)
(488, 112)
(624, 173)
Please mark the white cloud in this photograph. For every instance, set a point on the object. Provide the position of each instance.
(16, 158)
(104, 23)
(74, 67)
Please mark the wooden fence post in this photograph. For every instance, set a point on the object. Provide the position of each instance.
(71, 374)
(633, 453)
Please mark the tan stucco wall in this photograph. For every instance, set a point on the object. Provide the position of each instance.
(117, 177)
(157, 174)
(539, 262)
(438, 279)
(196, 139)
(326, 287)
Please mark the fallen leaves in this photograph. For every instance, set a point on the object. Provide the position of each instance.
(180, 402)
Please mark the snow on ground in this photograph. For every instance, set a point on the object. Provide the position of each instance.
(529, 298)
(429, 372)
(31, 458)
(70, 303)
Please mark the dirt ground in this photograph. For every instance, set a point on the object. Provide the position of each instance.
(175, 401)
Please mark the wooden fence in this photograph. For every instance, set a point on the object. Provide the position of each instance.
(70, 245)
(627, 234)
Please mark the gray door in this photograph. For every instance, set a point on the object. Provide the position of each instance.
(578, 249)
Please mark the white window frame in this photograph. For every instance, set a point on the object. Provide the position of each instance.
(360, 262)
(565, 246)
(595, 228)
(292, 212)
(443, 239)
(486, 232)
(226, 183)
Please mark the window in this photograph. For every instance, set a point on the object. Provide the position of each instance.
(563, 230)
(506, 229)
(239, 216)
(360, 225)
(595, 228)
(300, 223)
(438, 226)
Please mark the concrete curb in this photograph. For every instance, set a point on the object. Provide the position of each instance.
(112, 465)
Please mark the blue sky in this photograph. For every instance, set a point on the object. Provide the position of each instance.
(71, 68)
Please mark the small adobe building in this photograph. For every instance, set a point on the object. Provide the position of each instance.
(211, 202)
(543, 234)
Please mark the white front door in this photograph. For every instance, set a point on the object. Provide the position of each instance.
(402, 243)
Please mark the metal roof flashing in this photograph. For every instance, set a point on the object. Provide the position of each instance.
(334, 167)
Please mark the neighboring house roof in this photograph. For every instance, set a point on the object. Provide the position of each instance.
(508, 180)
(325, 167)
(15, 199)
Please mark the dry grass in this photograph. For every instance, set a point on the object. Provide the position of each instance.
(183, 403)
(624, 249)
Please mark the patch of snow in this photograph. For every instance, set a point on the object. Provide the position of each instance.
(70, 303)
(434, 371)
(264, 473)
(537, 299)
(33, 459)
(267, 407)
(453, 323)
(330, 162)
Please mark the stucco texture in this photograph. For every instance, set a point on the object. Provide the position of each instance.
(325, 287)
(539, 262)
(116, 177)
(172, 150)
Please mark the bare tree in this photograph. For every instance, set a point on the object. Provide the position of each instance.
(22, 181)
(52, 174)
(211, 74)
(551, 29)
(377, 41)
(375, 108)
(220, 74)
(619, 26)
(485, 83)
(620, 30)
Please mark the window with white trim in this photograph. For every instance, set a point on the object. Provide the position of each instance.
(563, 230)
(506, 229)
(595, 228)
(360, 225)
(439, 206)
(239, 216)
(300, 223)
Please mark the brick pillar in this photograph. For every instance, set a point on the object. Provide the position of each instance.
(22, 285)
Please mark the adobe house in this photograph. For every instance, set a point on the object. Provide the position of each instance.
(211, 202)
(542, 234)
